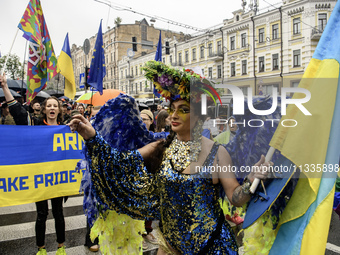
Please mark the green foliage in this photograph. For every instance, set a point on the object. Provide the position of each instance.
(13, 69)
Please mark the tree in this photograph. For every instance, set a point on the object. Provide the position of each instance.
(118, 21)
(13, 69)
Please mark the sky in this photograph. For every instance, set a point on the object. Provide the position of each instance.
(81, 18)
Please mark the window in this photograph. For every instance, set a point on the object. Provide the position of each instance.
(186, 56)
(140, 86)
(244, 66)
(244, 90)
(261, 64)
(136, 70)
(296, 26)
(322, 21)
(202, 52)
(268, 89)
(275, 58)
(144, 32)
(296, 58)
(180, 58)
(261, 35)
(163, 60)
(275, 31)
(232, 43)
(170, 59)
(219, 47)
(131, 71)
(219, 71)
(121, 74)
(194, 54)
(210, 49)
(210, 72)
(243, 40)
(202, 71)
(232, 69)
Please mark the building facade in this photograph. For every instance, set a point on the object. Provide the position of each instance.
(135, 40)
(256, 52)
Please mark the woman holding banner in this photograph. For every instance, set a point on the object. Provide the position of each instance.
(51, 115)
(170, 180)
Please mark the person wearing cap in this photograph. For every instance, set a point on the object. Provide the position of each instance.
(147, 118)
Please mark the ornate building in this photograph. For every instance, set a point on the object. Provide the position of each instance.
(251, 50)
(118, 43)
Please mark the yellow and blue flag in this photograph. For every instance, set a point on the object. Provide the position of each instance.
(97, 68)
(313, 145)
(66, 69)
(38, 166)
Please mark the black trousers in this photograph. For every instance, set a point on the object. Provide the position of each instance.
(59, 222)
(88, 241)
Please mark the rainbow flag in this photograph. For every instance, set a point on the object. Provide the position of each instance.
(42, 62)
(66, 69)
(313, 146)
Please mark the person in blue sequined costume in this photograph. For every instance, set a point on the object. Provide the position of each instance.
(170, 181)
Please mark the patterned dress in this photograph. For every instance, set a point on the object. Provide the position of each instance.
(187, 206)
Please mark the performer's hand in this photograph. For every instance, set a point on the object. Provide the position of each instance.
(260, 170)
(82, 126)
(149, 150)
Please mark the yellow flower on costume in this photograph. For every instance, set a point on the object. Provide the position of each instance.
(166, 93)
(158, 86)
(182, 89)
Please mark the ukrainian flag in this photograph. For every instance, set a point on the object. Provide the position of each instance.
(312, 145)
(66, 69)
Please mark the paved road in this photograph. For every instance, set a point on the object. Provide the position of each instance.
(17, 235)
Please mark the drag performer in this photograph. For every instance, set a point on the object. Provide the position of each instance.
(171, 181)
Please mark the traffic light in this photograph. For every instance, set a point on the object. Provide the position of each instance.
(134, 44)
(167, 48)
(87, 70)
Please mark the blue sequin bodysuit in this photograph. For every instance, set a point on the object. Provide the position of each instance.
(186, 204)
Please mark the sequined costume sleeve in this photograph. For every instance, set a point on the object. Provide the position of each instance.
(120, 180)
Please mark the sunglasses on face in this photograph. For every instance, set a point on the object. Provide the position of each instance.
(179, 111)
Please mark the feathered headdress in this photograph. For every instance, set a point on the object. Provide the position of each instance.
(172, 83)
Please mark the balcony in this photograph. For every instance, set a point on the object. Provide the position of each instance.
(316, 33)
(218, 55)
(129, 77)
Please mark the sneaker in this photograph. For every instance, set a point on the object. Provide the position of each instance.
(94, 248)
(42, 251)
(61, 251)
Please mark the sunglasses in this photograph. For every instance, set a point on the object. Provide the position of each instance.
(179, 111)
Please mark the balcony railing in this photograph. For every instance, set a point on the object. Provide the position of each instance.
(317, 32)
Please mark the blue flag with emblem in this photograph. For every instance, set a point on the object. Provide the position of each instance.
(98, 69)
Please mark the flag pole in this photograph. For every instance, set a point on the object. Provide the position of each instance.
(256, 181)
(10, 50)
